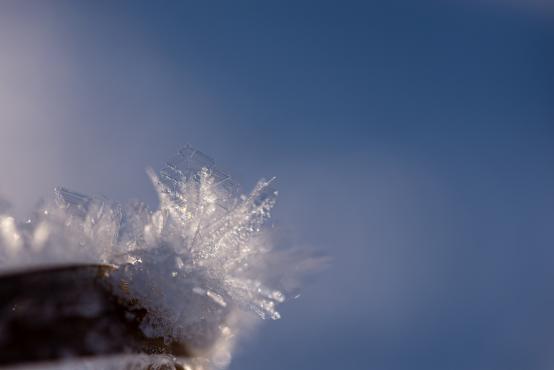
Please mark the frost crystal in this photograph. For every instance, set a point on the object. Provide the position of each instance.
(195, 263)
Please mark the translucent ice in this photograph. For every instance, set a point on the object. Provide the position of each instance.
(195, 263)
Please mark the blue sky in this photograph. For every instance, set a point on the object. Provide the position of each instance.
(413, 143)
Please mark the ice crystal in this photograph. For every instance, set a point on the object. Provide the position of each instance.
(194, 262)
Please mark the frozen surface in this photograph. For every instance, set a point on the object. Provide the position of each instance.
(196, 263)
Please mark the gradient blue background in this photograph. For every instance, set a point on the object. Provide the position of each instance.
(413, 142)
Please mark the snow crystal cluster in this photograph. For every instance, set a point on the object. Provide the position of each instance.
(196, 263)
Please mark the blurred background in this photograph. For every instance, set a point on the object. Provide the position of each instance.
(413, 142)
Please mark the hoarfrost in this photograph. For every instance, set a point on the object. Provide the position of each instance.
(194, 262)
